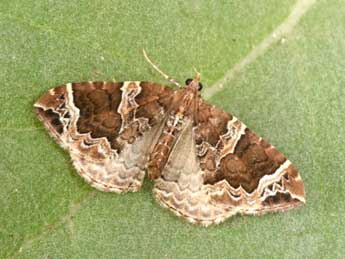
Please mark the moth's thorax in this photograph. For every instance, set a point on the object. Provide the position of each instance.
(184, 102)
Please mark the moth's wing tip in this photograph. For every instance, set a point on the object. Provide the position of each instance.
(46, 108)
(294, 184)
(52, 98)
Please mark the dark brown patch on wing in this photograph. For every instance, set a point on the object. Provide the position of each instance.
(98, 103)
(277, 198)
(50, 118)
(152, 100)
(212, 123)
(253, 158)
(281, 202)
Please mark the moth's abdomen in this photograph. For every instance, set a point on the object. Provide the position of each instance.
(164, 145)
(160, 155)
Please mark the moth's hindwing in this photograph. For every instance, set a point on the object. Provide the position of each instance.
(221, 168)
(108, 128)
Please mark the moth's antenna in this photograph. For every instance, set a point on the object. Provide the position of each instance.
(171, 80)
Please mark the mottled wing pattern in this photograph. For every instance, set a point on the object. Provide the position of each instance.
(225, 169)
(108, 128)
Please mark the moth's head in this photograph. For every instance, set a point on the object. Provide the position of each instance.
(194, 83)
(191, 84)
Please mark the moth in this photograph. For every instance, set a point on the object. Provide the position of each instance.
(205, 163)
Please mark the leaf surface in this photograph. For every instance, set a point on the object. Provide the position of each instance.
(292, 94)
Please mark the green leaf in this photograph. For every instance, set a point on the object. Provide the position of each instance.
(290, 91)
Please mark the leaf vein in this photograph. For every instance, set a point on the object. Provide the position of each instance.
(286, 27)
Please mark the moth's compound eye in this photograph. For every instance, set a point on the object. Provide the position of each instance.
(188, 81)
(200, 86)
